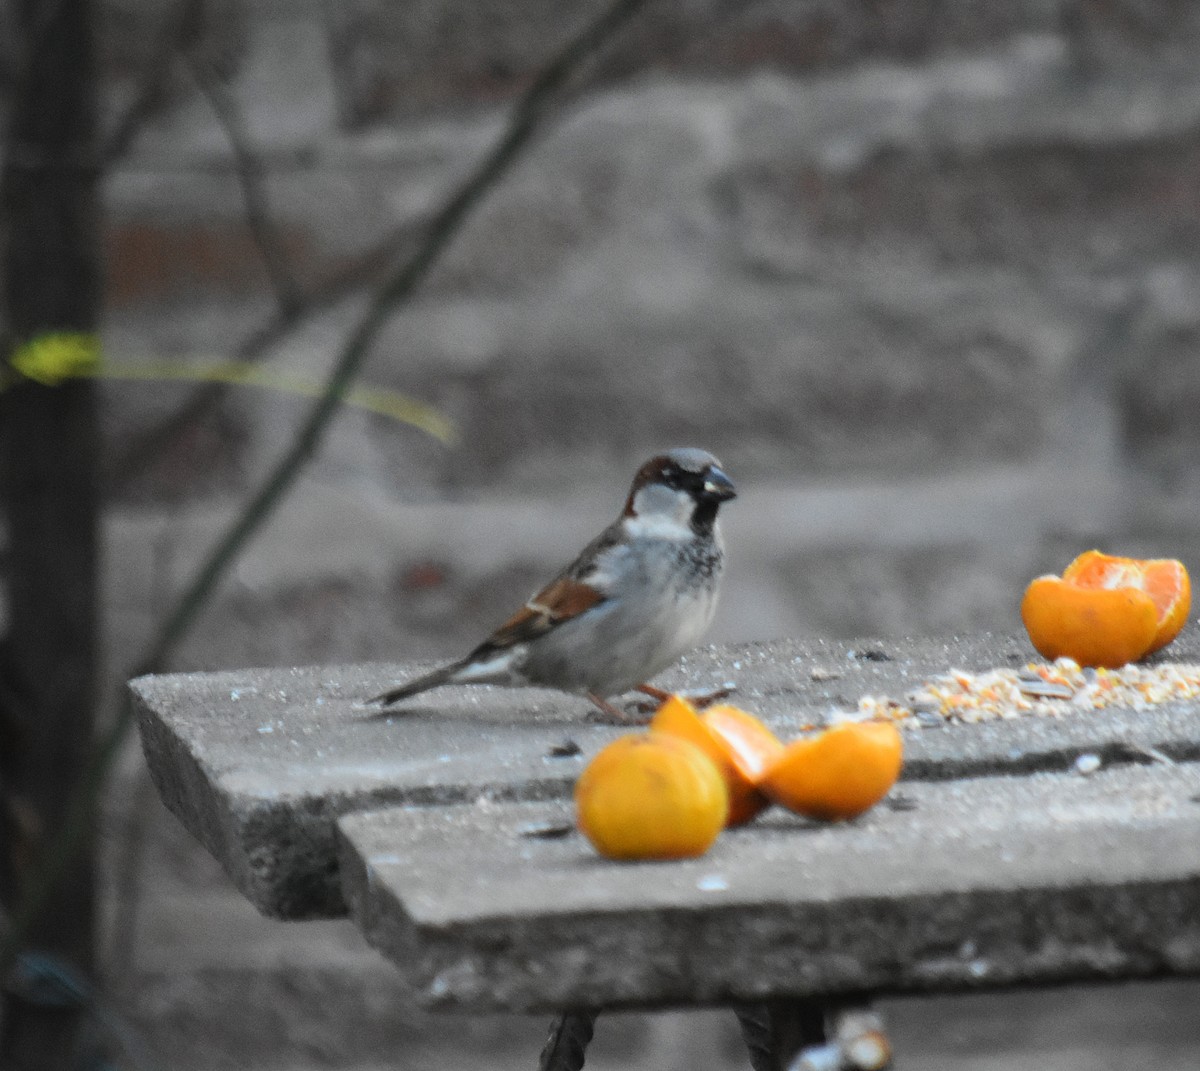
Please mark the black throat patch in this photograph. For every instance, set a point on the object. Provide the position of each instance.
(704, 516)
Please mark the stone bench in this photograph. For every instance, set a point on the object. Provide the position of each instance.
(446, 832)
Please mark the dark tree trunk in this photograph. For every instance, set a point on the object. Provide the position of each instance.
(48, 448)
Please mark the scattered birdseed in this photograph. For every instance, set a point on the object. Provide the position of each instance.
(1040, 690)
(566, 749)
(546, 830)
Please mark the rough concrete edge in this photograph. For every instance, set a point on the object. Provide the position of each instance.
(281, 852)
(867, 948)
(187, 794)
(377, 912)
(293, 876)
(1056, 757)
(235, 837)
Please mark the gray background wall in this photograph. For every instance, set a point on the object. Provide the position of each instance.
(924, 274)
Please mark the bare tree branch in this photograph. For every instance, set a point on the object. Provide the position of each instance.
(528, 115)
(176, 36)
(249, 170)
(150, 443)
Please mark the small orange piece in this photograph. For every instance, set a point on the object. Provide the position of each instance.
(839, 773)
(651, 796)
(1165, 580)
(738, 744)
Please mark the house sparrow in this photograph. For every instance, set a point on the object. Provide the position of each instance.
(638, 596)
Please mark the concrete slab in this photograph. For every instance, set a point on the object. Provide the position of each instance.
(973, 884)
(259, 764)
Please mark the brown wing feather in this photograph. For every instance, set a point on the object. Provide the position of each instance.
(562, 600)
(565, 597)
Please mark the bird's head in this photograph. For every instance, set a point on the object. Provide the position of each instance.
(677, 493)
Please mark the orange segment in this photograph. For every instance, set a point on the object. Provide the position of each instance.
(1165, 580)
(730, 741)
(751, 747)
(651, 796)
(839, 773)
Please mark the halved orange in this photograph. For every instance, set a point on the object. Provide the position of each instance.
(839, 773)
(1106, 627)
(1107, 610)
(736, 742)
(651, 796)
(1165, 580)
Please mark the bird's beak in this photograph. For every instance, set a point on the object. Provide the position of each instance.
(717, 486)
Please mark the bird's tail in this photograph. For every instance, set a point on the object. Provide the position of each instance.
(444, 675)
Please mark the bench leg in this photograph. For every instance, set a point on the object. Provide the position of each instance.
(780, 1035)
(774, 1032)
(567, 1044)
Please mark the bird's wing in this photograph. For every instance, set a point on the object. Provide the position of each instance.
(562, 599)
(559, 601)
(575, 590)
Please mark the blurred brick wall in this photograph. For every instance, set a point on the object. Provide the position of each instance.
(925, 273)
(875, 244)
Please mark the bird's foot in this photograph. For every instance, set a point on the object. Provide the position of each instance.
(699, 700)
(608, 714)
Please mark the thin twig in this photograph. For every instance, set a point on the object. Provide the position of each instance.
(249, 171)
(528, 114)
(178, 33)
(150, 443)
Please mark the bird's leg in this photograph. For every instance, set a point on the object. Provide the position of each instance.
(660, 696)
(707, 699)
(611, 714)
